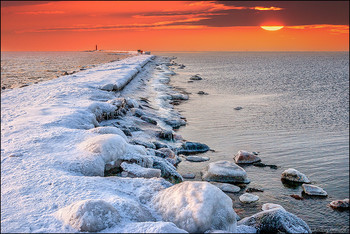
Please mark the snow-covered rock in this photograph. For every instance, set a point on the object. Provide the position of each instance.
(340, 204)
(228, 188)
(196, 207)
(89, 215)
(109, 130)
(248, 198)
(135, 170)
(197, 158)
(245, 157)
(294, 176)
(152, 227)
(269, 206)
(313, 190)
(225, 172)
(276, 220)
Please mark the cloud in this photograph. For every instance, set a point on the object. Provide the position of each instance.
(40, 12)
(259, 8)
(331, 28)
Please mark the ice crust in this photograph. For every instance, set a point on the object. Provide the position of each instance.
(54, 152)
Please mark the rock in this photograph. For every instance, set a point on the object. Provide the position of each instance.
(224, 171)
(228, 188)
(260, 164)
(168, 170)
(145, 144)
(238, 108)
(135, 170)
(294, 176)
(178, 96)
(313, 190)
(108, 87)
(3, 87)
(175, 123)
(297, 197)
(148, 120)
(245, 157)
(245, 229)
(196, 207)
(250, 190)
(138, 113)
(166, 135)
(248, 198)
(275, 221)
(160, 145)
(64, 73)
(190, 81)
(269, 206)
(89, 215)
(189, 176)
(192, 148)
(197, 159)
(170, 155)
(340, 204)
(202, 93)
(196, 77)
(182, 66)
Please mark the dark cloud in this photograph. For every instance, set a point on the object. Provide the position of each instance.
(22, 3)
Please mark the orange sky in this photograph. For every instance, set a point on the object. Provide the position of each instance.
(172, 26)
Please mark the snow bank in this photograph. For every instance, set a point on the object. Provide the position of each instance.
(196, 207)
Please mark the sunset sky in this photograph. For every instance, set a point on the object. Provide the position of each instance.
(175, 25)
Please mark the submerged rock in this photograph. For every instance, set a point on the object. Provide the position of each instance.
(135, 170)
(196, 77)
(225, 187)
(340, 204)
(197, 159)
(196, 207)
(238, 108)
(294, 176)
(245, 157)
(248, 198)
(297, 197)
(276, 220)
(224, 171)
(189, 176)
(270, 206)
(250, 190)
(202, 93)
(192, 148)
(89, 215)
(260, 164)
(313, 190)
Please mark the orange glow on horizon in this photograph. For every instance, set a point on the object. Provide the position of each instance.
(272, 28)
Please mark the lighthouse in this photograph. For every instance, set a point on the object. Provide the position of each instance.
(96, 48)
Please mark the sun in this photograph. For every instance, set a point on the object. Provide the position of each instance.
(272, 28)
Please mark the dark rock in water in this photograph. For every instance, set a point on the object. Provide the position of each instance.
(193, 148)
(64, 73)
(340, 204)
(3, 87)
(260, 164)
(182, 66)
(196, 77)
(202, 93)
(160, 145)
(250, 190)
(166, 135)
(175, 123)
(275, 221)
(145, 144)
(175, 102)
(190, 81)
(297, 197)
(148, 120)
(238, 108)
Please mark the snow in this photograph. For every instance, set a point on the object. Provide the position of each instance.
(54, 152)
(196, 207)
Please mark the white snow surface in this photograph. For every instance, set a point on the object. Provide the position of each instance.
(52, 157)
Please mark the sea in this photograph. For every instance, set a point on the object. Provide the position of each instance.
(294, 111)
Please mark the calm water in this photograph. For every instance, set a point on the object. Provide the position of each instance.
(295, 113)
(25, 68)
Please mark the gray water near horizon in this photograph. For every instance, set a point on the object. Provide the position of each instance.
(295, 113)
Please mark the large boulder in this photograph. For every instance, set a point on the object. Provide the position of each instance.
(313, 190)
(293, 175)
(196, 207)
(225, 172)
(276, 220)
(89, 215)
(245, 157)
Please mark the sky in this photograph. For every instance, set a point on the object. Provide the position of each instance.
(174, 25)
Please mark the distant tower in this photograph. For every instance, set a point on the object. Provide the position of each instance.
(96, 47)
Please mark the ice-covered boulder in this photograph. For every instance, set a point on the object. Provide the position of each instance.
(168, 170)
(109, 130)
(245, 157)
(313, 190)
(340, 204)
(89, 215)
(196, 207)
(152, 227)
(225, 172)
(276, 220)
(169, 155)
(294, 176)
(228, 188)
(192, 148)
(248, 198)
(197, 158)
(269, 206)
(135, 170)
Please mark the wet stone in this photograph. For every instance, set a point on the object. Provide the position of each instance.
(192, 148)
(197, 159)
(238, 108)
(248, 198)
(297, 197)
(250, 190)
(166, 135)
(293, 175)
(340, 204)
(245, 157)
(313, 190)
(228, 188)
(189, 176)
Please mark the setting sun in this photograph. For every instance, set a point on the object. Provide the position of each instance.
(272, 28)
